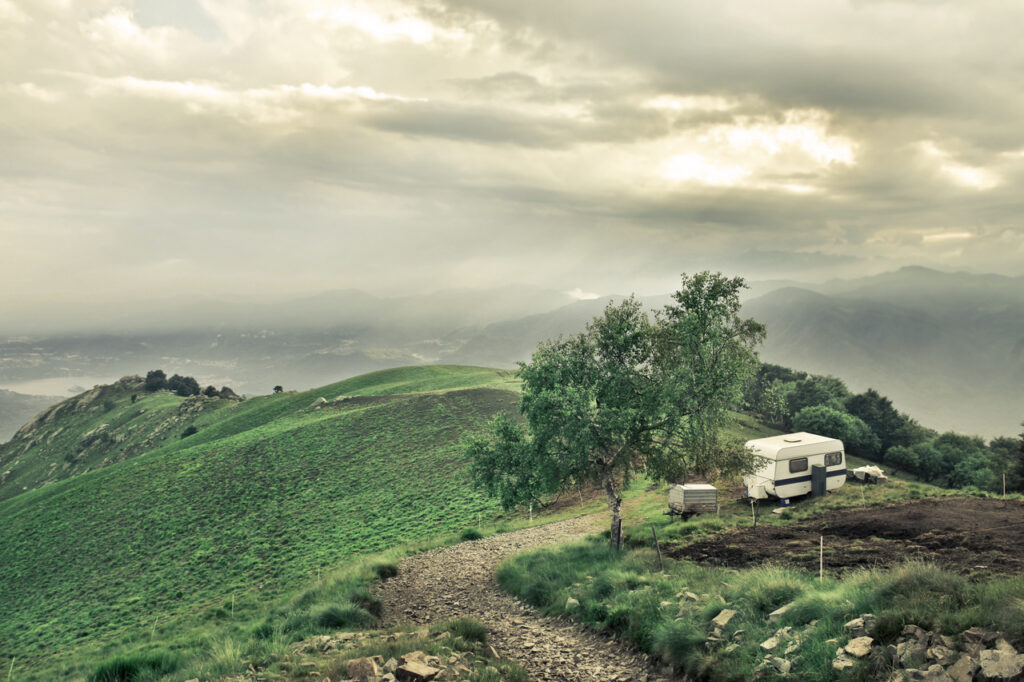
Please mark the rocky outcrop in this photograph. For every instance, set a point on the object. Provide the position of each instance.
(918, 654)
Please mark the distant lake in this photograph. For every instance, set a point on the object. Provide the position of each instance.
(58, 386)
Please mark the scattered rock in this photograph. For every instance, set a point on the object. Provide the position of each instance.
(935, 673)
(362, 669)
(842, 662)
(414, 671)
(963, 670)
(691, 596)
(859, 647)
(770, 643)
(780, 665)
(999, 665)
(571, 604)
(780, 612)
(723, 618)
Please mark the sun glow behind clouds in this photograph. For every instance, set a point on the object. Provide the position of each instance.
(961, 174)
(759, 152)
(261, 105)
(385, 22)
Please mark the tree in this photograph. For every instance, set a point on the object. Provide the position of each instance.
(857, 437)
(903, 458)
(877, 412)
(278, 389)
(816, 390)
(628, 395)
(183, 386)
(211, 392)
(156, 380)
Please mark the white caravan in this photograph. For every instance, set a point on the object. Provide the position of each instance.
(789, 462)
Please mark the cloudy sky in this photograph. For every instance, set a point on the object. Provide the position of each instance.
(248, 146)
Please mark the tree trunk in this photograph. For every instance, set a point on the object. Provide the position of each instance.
(615, 504)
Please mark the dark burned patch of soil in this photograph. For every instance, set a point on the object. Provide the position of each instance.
(966, 535)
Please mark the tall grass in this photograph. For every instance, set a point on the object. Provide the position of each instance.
(620, 592)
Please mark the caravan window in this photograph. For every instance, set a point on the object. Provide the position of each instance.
(796, 465)
(833, 459)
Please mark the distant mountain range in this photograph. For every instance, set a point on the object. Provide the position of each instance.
(948, 348)
(17, 409)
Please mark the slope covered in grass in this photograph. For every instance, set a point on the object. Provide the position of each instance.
(267, 493)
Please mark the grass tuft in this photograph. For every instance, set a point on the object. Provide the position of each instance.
(136, 668)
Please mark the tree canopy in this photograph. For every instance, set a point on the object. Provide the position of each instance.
(629, 394)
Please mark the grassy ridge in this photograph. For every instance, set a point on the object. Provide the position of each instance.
(277, 492)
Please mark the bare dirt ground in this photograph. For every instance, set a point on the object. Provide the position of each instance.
(965, 535)
(459, 581)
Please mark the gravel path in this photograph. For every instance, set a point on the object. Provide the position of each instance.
(459, 581)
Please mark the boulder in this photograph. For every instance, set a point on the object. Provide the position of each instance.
(842, 662)
(780, 612)
(935, 673)
(414, 671)
(859, 647)
(571, 604)
(770, 643)
(940, 654)
(723, 618)
(318, 403)
(855, 628)
(963, 670)
(362, 669)
(998, 666)
(781, 665)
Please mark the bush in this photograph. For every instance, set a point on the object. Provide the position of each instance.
(471, 534)
(339, 617)
(385, 570)
(135, 667)
(189, 431)
(364, 599)
(467, 628)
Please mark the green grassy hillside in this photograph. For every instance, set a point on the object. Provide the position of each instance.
(267, 493)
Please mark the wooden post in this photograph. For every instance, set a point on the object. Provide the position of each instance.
(1004, 485)
(661, 562)
(753, 517)
(821, 558)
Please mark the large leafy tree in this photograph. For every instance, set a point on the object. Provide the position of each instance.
(630, 394)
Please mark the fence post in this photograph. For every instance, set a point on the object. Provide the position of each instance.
(657, 546)
(821, 558)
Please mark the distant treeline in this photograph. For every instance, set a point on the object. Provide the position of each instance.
(871, 427)
(156, 380)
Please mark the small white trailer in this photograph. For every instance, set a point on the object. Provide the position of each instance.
(796, 464)
(692, 498)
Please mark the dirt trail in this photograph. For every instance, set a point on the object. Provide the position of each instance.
(459, 581)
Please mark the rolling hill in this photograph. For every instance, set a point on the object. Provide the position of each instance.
(269, 491)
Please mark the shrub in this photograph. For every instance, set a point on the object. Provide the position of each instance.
(385, 570)
(189, 431)
(135, 667)
(471, 534)
(467, 628)
(364, 599)
(348, 616)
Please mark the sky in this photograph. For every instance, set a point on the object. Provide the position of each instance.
(257, 147)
